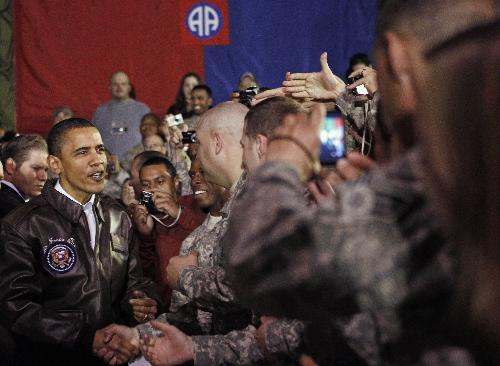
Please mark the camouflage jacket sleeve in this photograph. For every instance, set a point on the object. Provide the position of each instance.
(235, 348)
(335, 257)
(284, 336)
(209, 288)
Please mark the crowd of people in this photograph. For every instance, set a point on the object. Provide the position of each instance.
(213, 235)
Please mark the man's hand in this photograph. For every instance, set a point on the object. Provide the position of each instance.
(166, 203)
(176, 265)
(320, 86)
(176, 134)
(369, 79)
(128, 194)
(174, 348)
(122, 344)
(116, 162)
(261, 333)
(112, 348)
(144, 307)
(353, 166)
(349, 168)
(304, 129)
(142, 220)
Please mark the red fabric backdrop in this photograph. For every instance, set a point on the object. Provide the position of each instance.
(66, 51)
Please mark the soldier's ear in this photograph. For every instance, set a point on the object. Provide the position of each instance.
(218, 143)
(10, 166)
(261, 141)
(55, 164)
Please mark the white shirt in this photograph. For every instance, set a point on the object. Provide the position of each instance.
(212, 220)
(87, 209)
(7, 183)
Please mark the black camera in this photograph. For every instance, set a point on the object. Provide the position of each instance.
(189, 137)
(360, 89)
(146, 200)
(247, 95)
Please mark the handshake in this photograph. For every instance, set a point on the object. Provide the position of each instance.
(164, 345)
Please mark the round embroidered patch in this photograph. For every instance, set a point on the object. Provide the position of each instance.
(61, 257)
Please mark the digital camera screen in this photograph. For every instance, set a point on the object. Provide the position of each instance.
(332, 138)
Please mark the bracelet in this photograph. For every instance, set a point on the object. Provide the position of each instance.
(315, 164)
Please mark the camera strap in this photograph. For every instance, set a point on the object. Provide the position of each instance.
(167, 216)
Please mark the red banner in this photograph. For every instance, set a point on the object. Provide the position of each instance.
(66, 51)
(204, 22)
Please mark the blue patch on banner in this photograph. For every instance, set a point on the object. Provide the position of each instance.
(61, 257)
(204, 21)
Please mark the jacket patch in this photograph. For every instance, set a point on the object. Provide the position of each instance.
(61, 256)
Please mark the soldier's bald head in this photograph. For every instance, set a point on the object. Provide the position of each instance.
(226, 118)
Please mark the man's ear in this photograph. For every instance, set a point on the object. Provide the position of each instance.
(10, 166)
(54, 164)
(177, 185)
(218, 144)
(261, 141)
(210, 102)
(401, 68)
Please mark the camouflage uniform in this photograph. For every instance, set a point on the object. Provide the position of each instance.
(197, 241)
(373, 248)
(360, 121)
(237, 346)
(182, 164)
(240, 347)
(207, 287)
(126, 159)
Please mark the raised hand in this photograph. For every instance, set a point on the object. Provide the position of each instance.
(144, 307)
(320, 86)
(174, 348)
(142, 219)
(297, 141)
(165, 202)
(368, 78)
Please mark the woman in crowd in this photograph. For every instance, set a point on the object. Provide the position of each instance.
(182, 102)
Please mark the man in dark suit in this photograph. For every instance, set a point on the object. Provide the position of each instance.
(24, 159)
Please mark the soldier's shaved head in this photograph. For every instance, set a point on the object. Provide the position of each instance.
(219, 132)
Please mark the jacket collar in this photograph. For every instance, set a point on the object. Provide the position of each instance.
(64, 205)
(8, 186)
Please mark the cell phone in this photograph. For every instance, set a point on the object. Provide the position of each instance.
(189, 137)
(332, 137)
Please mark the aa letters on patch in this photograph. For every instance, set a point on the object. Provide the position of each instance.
(61, 257)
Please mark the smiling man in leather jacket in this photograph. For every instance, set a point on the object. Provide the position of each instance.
(68, 261)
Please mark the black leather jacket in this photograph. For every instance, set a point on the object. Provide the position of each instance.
(54, 288)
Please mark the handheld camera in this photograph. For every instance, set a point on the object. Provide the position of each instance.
(189, 137)
(175, 120)
(146, 200)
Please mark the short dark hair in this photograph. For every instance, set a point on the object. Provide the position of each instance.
(428, 21)
(359, 58)
(146, 155)
(56, 134)
(160, 160)
(153, 116)
(203, 87)
(265, 117)
(20, 146)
